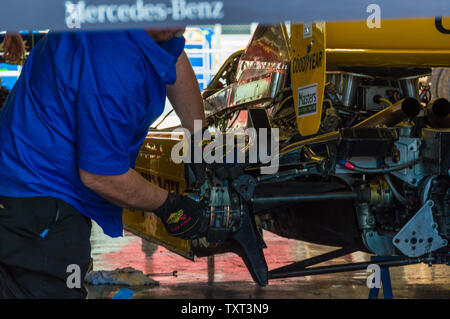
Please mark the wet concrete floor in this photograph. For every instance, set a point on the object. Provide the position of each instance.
(225, 276)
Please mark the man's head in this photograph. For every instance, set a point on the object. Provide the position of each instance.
(161, 35)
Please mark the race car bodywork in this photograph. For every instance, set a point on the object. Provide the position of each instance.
(363, 158)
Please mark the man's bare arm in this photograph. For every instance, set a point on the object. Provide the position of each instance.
(129, 190)
(185, 95)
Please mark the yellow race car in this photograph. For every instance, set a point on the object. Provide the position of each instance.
(361, 152)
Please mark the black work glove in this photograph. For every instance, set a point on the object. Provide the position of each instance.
(183, 217)
(198, 169)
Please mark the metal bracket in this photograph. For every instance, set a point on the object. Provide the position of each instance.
(409, 150)
(245, 186)
(250, 240)
(420, 235)
(378, 244)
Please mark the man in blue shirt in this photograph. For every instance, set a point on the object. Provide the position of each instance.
(70, 133)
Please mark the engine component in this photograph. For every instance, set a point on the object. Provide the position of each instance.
(379, 199)
(369, 97)
(380, 244)
(231, 218)
(420, 235)
(410, 87)
(391, 116)
(408, 150)
(380, 194)
(245, 186)
(436, 151)
(223, 213)
(331, 119)
(438, 112)
(439, 192)
(373, 142)
(346, 85)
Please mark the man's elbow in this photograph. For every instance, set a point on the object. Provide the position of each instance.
(89, 180)
(103, 182)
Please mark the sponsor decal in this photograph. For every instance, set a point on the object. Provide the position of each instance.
(440, 26)
(307, 100)
(175, 217)
(310, 61)
(307, 30)
(184, 221)
(81, 13)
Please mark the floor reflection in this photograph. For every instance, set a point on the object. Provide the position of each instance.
(226, 276)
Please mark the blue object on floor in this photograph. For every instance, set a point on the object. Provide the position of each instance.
(124, 294)
(44, 233)
(385, 280)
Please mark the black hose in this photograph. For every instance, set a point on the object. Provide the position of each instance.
(396, 193)
(285, 199)
(385, 170)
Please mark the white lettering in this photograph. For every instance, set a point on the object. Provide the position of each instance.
(91, 14)
(198, 309)
(78, 13)
(110, 13)
(134, 13)
(123, 13)
(216, 151)
(101, 13)
(374, 20)
(74, 279)
(374, 279)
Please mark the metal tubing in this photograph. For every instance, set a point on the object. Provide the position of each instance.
(303, 198)
(390, 116)
(438, 112)
(348, 267)
(301, 265)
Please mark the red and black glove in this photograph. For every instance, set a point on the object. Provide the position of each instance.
(183, 217)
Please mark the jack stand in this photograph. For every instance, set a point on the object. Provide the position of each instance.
(385, 280)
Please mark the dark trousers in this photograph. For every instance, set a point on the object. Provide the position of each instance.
(44, 246)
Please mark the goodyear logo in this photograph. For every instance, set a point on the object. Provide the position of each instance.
(310, 61)
(175, 217)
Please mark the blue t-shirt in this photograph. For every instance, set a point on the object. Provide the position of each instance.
(83, 100)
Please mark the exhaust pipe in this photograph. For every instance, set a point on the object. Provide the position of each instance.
(438, 112)
(390, 116)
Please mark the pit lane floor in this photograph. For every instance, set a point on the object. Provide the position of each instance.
(225, 276)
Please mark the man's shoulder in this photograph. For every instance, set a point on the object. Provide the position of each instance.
(116, 61)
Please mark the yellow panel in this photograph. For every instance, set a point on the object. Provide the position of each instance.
(401, 34)
(308, 68)
(397, 43)
(154, 164)
(387, 58)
